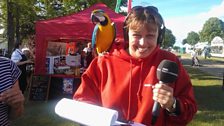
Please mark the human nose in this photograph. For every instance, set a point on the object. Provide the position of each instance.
(141, 41)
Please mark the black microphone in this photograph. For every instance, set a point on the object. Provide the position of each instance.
(167, 72)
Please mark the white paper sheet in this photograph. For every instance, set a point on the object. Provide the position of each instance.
(88, 114)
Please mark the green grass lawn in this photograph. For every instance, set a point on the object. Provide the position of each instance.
(207, 88)
(217, 59)
(40, 113)
(210, 99)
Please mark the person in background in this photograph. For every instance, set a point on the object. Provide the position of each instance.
(88, 48)
(29, 67)
(1, 52)
(11, 97)
(21, 61)
(125, 79)
(88, 54)
(223, 80)
(206, 52)
(194, 58)
(70, 48)
(28, 53)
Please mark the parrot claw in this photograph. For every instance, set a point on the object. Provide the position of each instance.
(100, 54)
(103, 53)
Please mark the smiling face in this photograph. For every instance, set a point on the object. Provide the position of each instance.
(143, 26)
(142, 40)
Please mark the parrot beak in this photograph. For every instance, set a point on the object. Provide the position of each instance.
(94, 19)
(97, 17)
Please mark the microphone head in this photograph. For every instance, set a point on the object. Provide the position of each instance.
(167, 71)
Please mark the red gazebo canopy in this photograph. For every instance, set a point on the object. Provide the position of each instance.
(72, 27)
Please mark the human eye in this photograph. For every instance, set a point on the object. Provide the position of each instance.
(149, 36)
(136, 35)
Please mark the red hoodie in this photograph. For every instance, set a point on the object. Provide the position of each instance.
(117, 81)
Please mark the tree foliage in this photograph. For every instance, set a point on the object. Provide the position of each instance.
(23, 14)
(169, 39)
(33, 10)
(192, 38)
(17, 19)
(184, 41)
(212, 27)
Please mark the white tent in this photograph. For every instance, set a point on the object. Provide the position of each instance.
(217, 47)
(188, 48)
(201, 45)
(217, 41)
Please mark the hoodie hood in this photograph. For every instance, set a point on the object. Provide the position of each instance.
(140, 64)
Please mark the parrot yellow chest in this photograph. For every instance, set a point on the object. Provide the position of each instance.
(104, 38)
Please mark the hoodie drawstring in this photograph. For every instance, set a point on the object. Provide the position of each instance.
(140, 84)
(130, 86)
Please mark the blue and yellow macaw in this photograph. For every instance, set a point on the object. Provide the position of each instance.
(104, 32)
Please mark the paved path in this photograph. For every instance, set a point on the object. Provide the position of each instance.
(212, 67)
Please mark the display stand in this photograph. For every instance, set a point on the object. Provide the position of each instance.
(39, 88)
(64, 85)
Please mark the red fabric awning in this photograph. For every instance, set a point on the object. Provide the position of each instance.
(72, 27)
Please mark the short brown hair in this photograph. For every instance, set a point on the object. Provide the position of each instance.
(143, 16)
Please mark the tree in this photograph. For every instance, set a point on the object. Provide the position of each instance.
(184, 41)
(212, 27)
(20, 17)
(177, 48)
(192, 38)
(15, 15)
(169, 39)
(10, 26)
(1, 20)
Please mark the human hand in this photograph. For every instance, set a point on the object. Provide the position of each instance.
(29, 61)
(163, 94)
(13, 97)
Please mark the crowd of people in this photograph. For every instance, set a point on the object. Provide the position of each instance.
(22, 61)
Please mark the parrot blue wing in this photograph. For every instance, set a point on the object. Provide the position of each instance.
(94, 34)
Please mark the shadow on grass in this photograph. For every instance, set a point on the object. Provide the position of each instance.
(210, 101)
(209, 98)
(199, 74)
(208, 90)
(207, 68)
(41, 113)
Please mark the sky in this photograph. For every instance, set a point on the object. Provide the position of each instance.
(184, 16)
